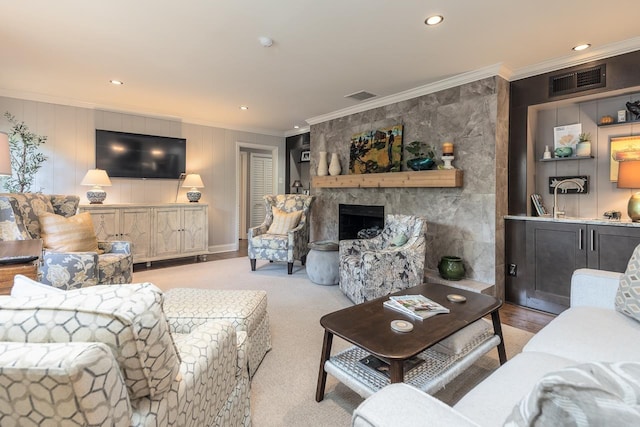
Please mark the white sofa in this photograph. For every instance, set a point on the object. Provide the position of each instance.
(590, 330)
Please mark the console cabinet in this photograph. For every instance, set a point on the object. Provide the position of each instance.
(156, 232)
(546, 253)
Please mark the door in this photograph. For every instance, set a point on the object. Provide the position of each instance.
(610, 246)
(261, 179)
(135, 226)
(168, 231)
(194, 229)
(242, 200)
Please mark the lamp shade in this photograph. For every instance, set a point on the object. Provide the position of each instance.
(629, 177)
(296, 184)
(5, 155)
(193, 180)
(97, 177)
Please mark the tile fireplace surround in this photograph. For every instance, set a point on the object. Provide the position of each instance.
(467, 221)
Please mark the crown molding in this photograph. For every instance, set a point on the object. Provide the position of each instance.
(295, 132)
(607, 51)
(70, 102)
(458, 80)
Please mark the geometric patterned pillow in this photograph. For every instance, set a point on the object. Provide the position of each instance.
(127, 318)
(628, 295)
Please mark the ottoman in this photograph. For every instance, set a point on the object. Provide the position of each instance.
(323, 262)
(246, 310)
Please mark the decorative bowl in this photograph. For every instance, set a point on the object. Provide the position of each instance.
(420, 163)
(563, 151)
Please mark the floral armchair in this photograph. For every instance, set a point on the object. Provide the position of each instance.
(66, 270)
(288, 246)
(392, 261)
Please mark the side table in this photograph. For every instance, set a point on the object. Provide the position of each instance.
(11, 253)
(323, 262)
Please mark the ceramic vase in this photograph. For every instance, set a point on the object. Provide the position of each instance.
(451, 268)
(323, 167)
(334, 167)
(583, 149)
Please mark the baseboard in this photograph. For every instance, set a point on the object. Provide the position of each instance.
(230, 247)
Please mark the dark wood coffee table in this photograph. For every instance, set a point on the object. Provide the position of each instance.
(367, 326)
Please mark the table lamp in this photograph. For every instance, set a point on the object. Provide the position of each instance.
(194, 181)
(98, 178)
(629, 177)
(297, 185)
(5, 155)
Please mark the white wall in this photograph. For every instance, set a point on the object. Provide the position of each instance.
(70, 150)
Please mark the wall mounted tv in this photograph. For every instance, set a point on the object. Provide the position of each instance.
(130, 155)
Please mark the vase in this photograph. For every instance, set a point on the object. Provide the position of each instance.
(420, 163)
(334, 167)
(323, 167)
(451, 268)
(583, 149)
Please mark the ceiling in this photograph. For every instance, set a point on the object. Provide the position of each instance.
(199, 60)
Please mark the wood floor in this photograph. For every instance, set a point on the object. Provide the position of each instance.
(510, 314)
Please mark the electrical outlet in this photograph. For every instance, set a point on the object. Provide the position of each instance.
(513, 270)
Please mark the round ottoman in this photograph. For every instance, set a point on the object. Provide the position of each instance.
(322, 262)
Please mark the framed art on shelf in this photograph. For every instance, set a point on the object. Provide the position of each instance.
(566, 136)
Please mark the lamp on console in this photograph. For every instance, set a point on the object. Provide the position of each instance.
(194, 181)
(5, 155)
(98, 178)
(297, 185)
(629, 177)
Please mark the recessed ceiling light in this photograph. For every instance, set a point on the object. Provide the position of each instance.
(296, 127)
(244, 107)
(116, 82)
(581, 47)
(434, 20)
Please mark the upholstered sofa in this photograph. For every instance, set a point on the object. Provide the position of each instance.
(66, 270)
(391, 261)
(106, 355)
(589, 346)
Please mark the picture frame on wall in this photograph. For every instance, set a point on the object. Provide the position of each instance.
(305, 156)
(567, 136)
(621, 149)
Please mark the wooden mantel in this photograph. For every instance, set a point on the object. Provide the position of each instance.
(430, 178)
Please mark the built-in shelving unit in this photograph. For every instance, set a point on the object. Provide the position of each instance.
(429, 178)
(628, 122)
(558, 159)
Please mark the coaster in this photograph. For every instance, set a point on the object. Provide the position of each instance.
(401, 326)
(456, 298)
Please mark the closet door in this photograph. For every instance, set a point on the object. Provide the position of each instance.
(260, 183)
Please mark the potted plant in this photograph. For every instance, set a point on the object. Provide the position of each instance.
(583, 148)
(26, 159)
(424, 156)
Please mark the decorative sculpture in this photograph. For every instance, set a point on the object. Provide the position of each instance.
(634, 108)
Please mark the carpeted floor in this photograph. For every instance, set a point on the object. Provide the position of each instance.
(283, 389)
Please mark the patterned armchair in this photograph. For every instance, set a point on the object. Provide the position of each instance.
(121, 364)
(68, 270)
(288, 247)
(392, 261)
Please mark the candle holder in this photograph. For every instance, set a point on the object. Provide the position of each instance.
(447, 162)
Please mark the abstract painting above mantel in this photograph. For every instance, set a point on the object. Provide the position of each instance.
(376, 151)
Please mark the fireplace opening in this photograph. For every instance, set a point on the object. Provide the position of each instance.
(359, 221)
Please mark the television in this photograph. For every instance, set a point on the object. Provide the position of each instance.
(131, 155)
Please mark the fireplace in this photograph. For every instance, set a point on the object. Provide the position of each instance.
(359, 221)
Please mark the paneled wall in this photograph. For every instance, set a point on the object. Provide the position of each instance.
(603, 194)
(463, 221)
(211, 152)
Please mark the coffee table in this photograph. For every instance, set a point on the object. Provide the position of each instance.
(367, 326)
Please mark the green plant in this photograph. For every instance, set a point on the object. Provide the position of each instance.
(26, 159)
(584, 137)
(420, 150)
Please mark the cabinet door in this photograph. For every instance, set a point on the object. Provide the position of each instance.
(135, 227)
(611, 246)
(106, 223)
(554, 251)
(167, 231)
(194, 230)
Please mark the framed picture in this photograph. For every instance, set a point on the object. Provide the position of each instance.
(305, 156)
(376, 151)
(623, 148)
(566, 136)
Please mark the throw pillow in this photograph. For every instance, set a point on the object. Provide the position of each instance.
(591, 394)
(25, 287)
(457, 342)
(73, 234)
(628, 294)
(283, 221)
(399, 240)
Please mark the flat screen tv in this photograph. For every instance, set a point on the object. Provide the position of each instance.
(130, 155)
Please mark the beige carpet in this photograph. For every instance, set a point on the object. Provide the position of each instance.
(283, 389)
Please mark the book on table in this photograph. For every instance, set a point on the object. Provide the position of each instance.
(417, 306)
(379, 365)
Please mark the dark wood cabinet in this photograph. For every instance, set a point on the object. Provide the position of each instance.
(553, 250)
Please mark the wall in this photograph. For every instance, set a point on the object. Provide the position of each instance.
(603, 194)
(211, 152)
(463, 221)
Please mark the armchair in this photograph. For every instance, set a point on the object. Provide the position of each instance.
(280, 245)
(66, 270)
(392, 261)
(120, 364)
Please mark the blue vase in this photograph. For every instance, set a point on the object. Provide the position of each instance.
(421, 163)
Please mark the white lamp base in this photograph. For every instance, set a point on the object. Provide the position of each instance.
(193, 195)
(96, 196)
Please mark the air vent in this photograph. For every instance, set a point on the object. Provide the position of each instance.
(578, 81)
(361, 95)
